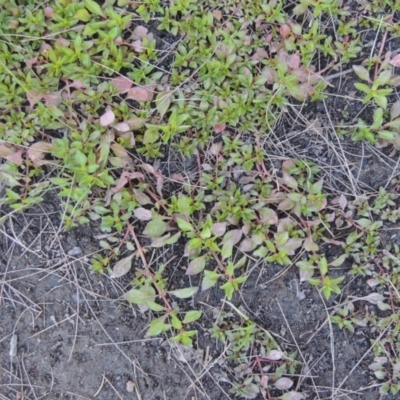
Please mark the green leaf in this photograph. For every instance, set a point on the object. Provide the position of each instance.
(94, 8)
(339, 261)
(383, 78)
(184, 293)
(122, 267)
(184, 225)
(228, 289)
(209, 280)
(196, 266)
(192, 316)
(157, 326)
(163, 101)
(381, 101)
(362, 87)
(176, 322)
(361, 72)
(140, 297)
(323, 266)
(378, 118)
(155, 228)
(82, 15)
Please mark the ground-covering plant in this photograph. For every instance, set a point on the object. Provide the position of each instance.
(94, 100)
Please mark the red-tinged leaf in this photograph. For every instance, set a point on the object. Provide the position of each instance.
(122, 84)
(119, 150)
(123, 180)
(122, 267)
(289, 181)
(136, 123)
(291, 245)
(139, 94)
(285, 30)
(232, 237)
(294, 61)
(218, 128)
(150, 87)
(274, 355)
(395, 61)
(286, 205)
(218, 229)
(37, 152)
(310, 245)
(196, 266)
(137, 46)
(122, 127)
(283, 383)
(107, 118)
(11, 154)
(342, 201)
(159, 186)
(264, 381)
(247, 245)
(268, 216)
(142, 214)
(140, 32)
(33, 98)
(142, 198)
(32, 61)
(52, 99)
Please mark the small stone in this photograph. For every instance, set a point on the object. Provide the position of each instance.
(13, 346)
(75, 251)
(130, 386)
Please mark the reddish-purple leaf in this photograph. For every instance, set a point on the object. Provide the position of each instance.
(247, 245)
(142, 214)
(196, 266)
(122, 127)
(33, 98)
(294, 61)
(283, 383)
(232, 237)
(274, 355)
(218, 229)
(107, 118)
(342, 201)
(122, 267)
(140, 31)
(291, 245)
(139, 94)
(136, 123)
(395, 61)
(11, 154)
(122, 84)
(218, 128)
(137, 46)
(52, 99)
(37, 151)
(268, 216)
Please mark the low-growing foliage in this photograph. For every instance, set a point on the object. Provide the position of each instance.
(93, 103)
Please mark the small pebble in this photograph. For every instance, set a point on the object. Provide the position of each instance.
(130, 386)
(75, 251)
(13, 346)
